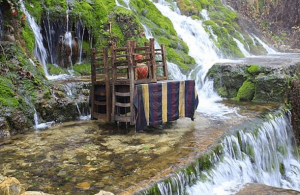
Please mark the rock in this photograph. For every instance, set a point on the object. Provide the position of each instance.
(11, 186)
(4, 132)
(104, 193)
(260, 189)
(259, 79)
(83, 185)
(9, 38)
(34, 193)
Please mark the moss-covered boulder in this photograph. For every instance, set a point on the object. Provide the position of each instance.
(227, 79)
(268, 81)
(271, 88)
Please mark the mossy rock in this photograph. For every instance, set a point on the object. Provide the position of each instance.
(271, 88)
(254, 69)
(246, 91)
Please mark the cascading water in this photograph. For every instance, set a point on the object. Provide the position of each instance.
(268, 49)
(265, 156)
(242, 48)
(80, 42)
(203, 50)
(40, 51)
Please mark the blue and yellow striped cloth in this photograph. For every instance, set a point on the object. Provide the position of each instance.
(157, 103)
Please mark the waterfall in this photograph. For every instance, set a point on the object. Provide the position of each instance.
(80, 42)
(265, 155)
(242, 48)
(267, 48)
(40, 51)
(203, 50)
(70, 94)
(204, 14)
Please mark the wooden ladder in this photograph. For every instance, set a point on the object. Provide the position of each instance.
(161, 63)
(101, 87)
(122, 82)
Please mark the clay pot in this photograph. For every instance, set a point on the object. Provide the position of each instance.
(141, 72)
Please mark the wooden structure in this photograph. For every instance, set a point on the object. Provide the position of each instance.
(114, 79)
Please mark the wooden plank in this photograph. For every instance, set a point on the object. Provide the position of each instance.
(122, 118)
(99, 58)
(153, 59)
(142, 48)
(121, 56)
(99, 83)
(93, 68)
(123, 94)
(100, 103)
(122, 67)
(123, 105)
(107, 86)
(162, 78)
(114, 75)
(140, 81)
(131, 46)
(122, 82)
(99, 116)
(163, 50)
(120, 49)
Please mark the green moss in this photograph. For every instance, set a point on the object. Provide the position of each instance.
(246, 91)
(281, 168)
(250, 152)
(55, 70)
(35, 9)
(29, 38)
(7, 96)
(205, 162)
(82, 69)
(253, 69)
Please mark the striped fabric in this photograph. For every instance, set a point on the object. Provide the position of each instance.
(157, 103)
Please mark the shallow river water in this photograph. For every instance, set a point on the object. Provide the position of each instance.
(84, 157)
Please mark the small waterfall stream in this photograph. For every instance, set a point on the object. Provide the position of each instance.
(265, 155)
(39, 50)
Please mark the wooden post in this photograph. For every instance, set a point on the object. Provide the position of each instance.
(107, 85)
(130, 49)
(114, 78)
(93, 79)
(153, 62)
(149, 64)
(164, 61)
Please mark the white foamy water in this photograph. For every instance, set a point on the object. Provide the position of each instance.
(242, 48)
(40, 51)
(267, 48)
(203, 50)
(265, 157)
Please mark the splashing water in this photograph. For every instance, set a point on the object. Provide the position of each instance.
(203, 50)
(265, 156)
(267, 48)
(40, 51)
(242, 48)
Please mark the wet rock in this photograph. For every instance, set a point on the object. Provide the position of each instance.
(260, 189)
(104, 193)
(4, 132)
(11, 186)
(265, 79)
(83, 185)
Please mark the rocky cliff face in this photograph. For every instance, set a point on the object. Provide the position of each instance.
(278, 20)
